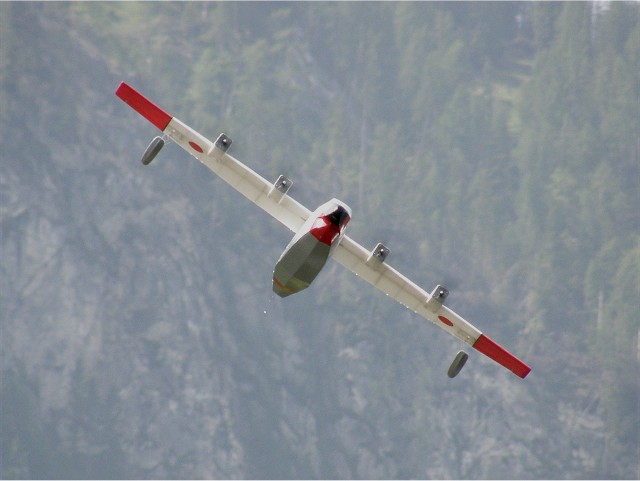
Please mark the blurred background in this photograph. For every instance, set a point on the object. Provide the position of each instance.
(493, 147)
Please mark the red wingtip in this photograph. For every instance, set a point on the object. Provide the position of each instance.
(488, 347)
(143, 106)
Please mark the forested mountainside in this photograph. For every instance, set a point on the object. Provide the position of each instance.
(492, 146)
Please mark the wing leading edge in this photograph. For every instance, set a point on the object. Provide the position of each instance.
(293, 215)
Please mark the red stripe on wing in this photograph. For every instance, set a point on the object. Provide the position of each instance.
(489, 348)
(143, 106)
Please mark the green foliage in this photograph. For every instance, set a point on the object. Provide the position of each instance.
(495, 144)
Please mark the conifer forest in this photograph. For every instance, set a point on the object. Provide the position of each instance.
(493, 147)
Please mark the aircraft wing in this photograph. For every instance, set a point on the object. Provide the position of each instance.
(384, 277)
(271, 197)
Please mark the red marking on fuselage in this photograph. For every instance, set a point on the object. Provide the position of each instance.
(446, 321)
(325, 231)
(195, 146)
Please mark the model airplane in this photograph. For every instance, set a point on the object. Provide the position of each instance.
(318, 235)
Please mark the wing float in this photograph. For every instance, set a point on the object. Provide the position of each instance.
(319, 235)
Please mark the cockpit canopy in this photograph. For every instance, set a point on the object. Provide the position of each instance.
(339, 216)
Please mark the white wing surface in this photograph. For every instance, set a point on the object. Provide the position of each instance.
(379, 274)
(250, 184)
(384, 277)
